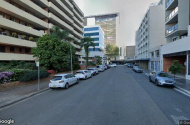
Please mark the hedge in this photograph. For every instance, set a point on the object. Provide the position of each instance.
(32, 75)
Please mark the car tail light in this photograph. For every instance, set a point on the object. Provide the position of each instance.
(61, 81)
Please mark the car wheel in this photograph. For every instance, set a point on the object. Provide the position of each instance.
(156, 82)
(77, 81)
(150, 79)
(66, 86)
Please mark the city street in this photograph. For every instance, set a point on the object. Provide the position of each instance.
(117, 96)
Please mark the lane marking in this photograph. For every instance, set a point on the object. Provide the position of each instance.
(182, 92)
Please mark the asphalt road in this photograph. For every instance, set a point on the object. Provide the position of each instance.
(117, 96)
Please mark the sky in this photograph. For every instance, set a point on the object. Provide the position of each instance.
(131, 15)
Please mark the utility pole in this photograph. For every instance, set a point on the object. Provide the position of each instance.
(71, 59)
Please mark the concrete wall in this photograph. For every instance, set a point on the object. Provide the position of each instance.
(130, 51)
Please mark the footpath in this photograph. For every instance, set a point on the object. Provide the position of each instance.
(11, 93)
(181, 83)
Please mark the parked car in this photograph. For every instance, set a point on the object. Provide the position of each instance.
(134, 68)
(100, 68)
(161, 78)
(126, 64)
(105, 67)
(63, 81)
(95, 70)
(112, 65)
(130, 65)
(83, 74)
(138, 69)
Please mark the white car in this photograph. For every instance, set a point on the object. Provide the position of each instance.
(63, 81)
(95, 70)
(83, 74)
(105, 67)
(100, 68)
(112, 65)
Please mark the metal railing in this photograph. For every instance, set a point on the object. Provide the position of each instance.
(172, 14)
(172, 29)
(169, 3)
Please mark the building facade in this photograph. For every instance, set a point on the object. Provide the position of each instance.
(97, 34)
(129, 52)
(150, 37)
(177, 33)
(23, 21)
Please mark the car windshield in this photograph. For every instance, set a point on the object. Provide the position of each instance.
(55, 78)
(90, 69)
(163, 75)
(80, 72)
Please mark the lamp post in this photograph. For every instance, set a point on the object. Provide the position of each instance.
(71, 59)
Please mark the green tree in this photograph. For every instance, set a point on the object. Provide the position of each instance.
(86, 42)
(53, 53)
(98, 60)
(112, 51)
(176, 67)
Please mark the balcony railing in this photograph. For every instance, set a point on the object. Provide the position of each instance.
(172, 14)
(172, 29)
(169, 3)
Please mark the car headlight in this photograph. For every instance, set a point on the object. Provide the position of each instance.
(162, 81)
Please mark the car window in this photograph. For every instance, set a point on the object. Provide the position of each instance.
(85, 71)
(80, 72)
(67, 76)
(57, 78)
(163, 75)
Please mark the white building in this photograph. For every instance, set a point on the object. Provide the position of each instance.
(177, 29)
(150, 36)
(97, 34)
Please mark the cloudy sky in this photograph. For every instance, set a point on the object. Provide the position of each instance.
(131, 14)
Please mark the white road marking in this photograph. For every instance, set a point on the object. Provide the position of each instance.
(177, 118)
(182, 92)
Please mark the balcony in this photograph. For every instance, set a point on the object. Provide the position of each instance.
(171, 30)
(59, 22)
(80, 24)
(63, 7)
(78, 35)
(76, 46)
(60, 13)
(11, 25)
(67, 3)
(173, 16)
(80, 53)
(12, 56)
(171, 4)
(41, 3)
(16, 41)
(78, 28)
(16, 12)
(78, 16)
(31, 6)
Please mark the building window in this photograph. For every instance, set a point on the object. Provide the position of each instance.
(91, 29)
(27, 50)
(157, 53)
(92, 34)
(12, 49)
(2, 48)
(20, 50)
(26, 24)
(152, 54)
(11, 18)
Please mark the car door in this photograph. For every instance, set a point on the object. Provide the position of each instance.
(74, 79)
(68, 79)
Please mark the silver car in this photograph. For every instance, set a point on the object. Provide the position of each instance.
(161, 78)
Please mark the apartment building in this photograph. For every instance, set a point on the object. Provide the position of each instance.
(23, 21)
(177, 33)
(97, 34)
(150, 37)
(129, 52)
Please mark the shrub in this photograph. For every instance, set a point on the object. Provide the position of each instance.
(5, 77)
(32, 75)
(17, 73)
(76, 66)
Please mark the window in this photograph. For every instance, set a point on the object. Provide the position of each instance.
(91, 29)
(91, 34)
(12, 49)
(26, 24)
(157, 53)
(96, 39)
(27, 50)
(92, 49)
(20, 50)
(11, 18)
(2, 48)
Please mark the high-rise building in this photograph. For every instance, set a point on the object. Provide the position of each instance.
(108, 24)
(23, 21)
(150, 37)
(129, 52)
(177, 33)
(97, 34)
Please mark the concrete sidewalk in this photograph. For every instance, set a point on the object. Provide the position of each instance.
(181, 83)
(10, 96)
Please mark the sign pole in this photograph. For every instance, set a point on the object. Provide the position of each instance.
(38, 65)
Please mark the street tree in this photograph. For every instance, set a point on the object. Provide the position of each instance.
(98, 60)
(54, 51)
(112, 51)
(86, 42)
(176, 67)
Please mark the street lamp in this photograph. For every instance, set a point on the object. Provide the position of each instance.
(71, 59)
